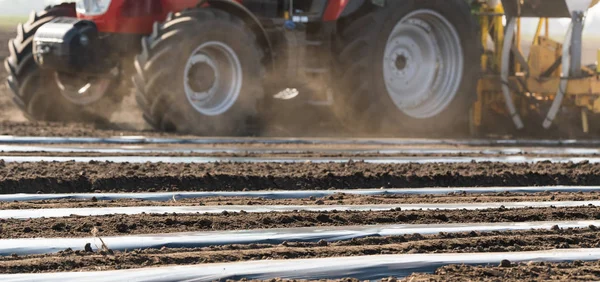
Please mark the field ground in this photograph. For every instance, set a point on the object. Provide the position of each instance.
(47, 180)
(46, 185)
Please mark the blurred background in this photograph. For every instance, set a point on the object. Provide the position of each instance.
(15, 11)
(22, 7)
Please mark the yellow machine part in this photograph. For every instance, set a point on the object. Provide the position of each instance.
(542, 79)
(489, 62)
(543, 55)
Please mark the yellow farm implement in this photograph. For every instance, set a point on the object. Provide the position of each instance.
(541, 84)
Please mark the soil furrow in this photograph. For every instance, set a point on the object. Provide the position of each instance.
(79, 226)
(531, 271)
(68, 177)
(534, 240)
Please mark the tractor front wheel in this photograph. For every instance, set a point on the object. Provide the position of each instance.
(201, 73)
(52, 96)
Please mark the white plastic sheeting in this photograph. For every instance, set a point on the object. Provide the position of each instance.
(7, 139)
(65, 212)
(264, 236)
(360, 267)
(375, 160)
(168, 196)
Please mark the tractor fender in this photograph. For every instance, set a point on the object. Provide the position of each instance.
(238, 10)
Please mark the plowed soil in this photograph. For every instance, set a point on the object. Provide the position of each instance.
(103, 177)
(533, 240)
(79, 226)
(532, 271)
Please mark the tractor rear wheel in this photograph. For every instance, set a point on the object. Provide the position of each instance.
(201, 73)
(51, 96)
(410, 67)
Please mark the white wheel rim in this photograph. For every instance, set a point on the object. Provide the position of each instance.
(226, 87)
(423, 64)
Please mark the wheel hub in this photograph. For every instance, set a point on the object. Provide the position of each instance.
(423, 64)
(410, 83)
(401, 62)
(213, 78)
(202, 77)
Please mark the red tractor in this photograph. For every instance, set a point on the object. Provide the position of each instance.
(214, 67)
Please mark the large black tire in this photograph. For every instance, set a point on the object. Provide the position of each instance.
(160, 73)
(36, 91)
(362, 102)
